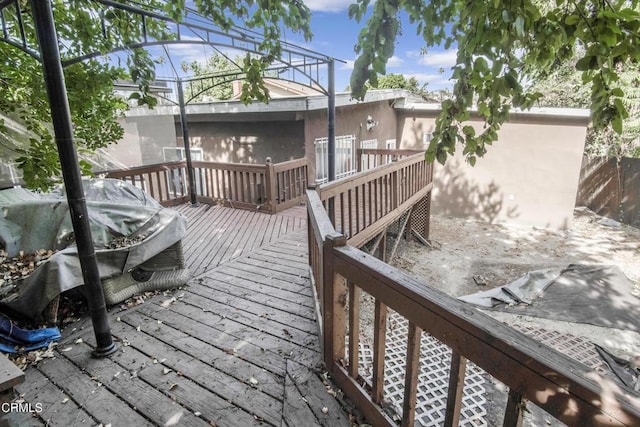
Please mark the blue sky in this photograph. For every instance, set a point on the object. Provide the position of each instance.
(335, 34)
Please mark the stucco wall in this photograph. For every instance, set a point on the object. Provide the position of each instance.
(144, 137)
(247, 142)
(529, 177)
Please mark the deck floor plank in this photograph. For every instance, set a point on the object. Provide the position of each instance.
(250, 333)
(199, 348)
(178, 326)
(252, 316)
(101, 403)
(243, 300)
(223, 345)
(269, 296)
(172, 382)
(230, 388)
(247, 275)
(152, 403)
(57, 408)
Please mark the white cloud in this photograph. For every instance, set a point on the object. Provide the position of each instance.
(348, 65)
(444, 59)
(328, 5)
(435, 80)
(394, 61)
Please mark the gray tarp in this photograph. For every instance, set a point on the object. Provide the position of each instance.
(595, 294)
(33, 221)
(599, 295)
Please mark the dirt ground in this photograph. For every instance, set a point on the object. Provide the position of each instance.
(498, 254)
(471, 256)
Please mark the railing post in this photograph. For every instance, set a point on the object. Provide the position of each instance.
(513, 415)
(334, 299)
(271, 186)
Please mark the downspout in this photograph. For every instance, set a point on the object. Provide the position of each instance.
(63, 130)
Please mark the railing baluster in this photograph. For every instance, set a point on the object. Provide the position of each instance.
(456, 389)
(220, 183)
(368, 200)
(379, 339)
(411, 375)
(350, 211)
(358, 206)
(515, 410)
(354, 328)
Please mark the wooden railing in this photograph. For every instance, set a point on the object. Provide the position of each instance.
(269, 187)
(565, 389)
(371, 158)
(167, 182)
(365, 203)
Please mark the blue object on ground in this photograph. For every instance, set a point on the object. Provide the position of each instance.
(14, 339)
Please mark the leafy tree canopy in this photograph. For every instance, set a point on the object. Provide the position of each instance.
(94, 107)
(399, 81)
(562, 87)
(500, 46)
(218, 88)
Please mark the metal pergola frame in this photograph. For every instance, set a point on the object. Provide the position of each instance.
(195, 29)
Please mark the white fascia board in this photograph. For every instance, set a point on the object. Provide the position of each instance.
(575, 113)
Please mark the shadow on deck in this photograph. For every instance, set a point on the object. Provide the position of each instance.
(238, 346)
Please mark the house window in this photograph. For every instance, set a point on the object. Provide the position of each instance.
(426, 139)
(176, 180)
(369, 143)
(345, 157)
(173, 154)
(390, 144)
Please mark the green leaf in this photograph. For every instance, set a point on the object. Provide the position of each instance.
(519, 25)
(616, 124)
(584, 63)
(572, 19)
(469, 131)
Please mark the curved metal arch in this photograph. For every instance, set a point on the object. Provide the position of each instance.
(236, 38)
(193, 31)
(314, 84)
(299, 68)
(206, 88)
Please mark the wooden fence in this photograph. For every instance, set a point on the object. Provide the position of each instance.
(611, 187)
(533, 372)
(269, 187)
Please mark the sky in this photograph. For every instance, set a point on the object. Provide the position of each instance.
(334, 34)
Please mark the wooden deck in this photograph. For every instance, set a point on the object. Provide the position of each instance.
(238, 346)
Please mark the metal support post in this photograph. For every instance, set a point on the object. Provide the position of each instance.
(63, 129)
(187, 146)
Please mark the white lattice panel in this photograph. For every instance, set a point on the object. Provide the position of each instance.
(433, 378)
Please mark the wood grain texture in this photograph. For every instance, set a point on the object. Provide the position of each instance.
(216, 352)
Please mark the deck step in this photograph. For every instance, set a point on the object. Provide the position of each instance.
(10, 376)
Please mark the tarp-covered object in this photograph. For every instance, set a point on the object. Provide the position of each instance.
(599, 295)
(117, 210)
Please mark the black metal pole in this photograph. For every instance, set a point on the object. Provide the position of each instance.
(331, 136)
(62, 126)
(187, 146)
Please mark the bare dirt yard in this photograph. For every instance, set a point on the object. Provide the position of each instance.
(499, 254)
(471, 256)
